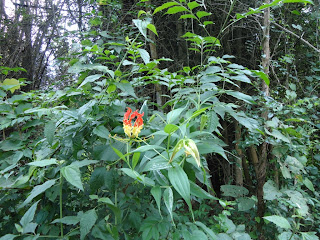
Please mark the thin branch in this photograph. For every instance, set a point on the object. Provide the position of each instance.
(297, 36)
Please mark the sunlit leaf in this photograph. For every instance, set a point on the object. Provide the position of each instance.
(165, 6)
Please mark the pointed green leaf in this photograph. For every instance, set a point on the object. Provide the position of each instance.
(308, 184)
(87, 221)
(152, 28)
(201, 14)
(174, 115)
(192, 5)
(165, 6)
(186, 16)
(119, 153)
(156, 193)
(8, 237)
(176, 9)
(168, 200)
(144, 55)
(147, 148)
(298, 1)
(197, 191)
(170, 128)
(263, 76)
(90, 79)
(72, 174)
(101, 131)
(37, 190)
(44, 163)
(69, 220)
(29, 215)
(49, 130)
(180, 182)
(279, 221)
(135, 159)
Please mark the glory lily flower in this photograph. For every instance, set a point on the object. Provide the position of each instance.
(132, 131)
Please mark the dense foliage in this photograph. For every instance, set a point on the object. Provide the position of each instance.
(137, 146)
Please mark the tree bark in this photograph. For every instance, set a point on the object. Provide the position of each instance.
(238, 165)
(263, 158)
(154, 55)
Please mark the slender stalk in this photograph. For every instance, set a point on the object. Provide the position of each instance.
(128, 150)
(61, 215)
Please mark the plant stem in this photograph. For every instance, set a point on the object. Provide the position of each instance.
(61, 225)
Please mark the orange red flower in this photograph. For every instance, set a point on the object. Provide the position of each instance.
(132, 131)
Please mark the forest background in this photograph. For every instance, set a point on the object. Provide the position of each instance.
(222, 141)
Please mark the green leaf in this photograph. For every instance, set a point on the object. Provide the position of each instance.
(308, 184)
(152, 28)
(208, 231)
(298, 1)
(101, 131)
(213, 121)
(174, 115)
(241, 96)
(72, 174)
(263, 76)
(147, 148)
(241, 78)
(90, 79)
(83, 163)
(192, 5)
(8, 237)
(198, 112)
(245, 203)
(156, 193)
(170, 128)
(309, 236)
(142, 26)
(44, 163)
(137, 176)
(126, 88)
(165, 6)
(135, 159)
(180, 182)
(197, 191)
(186, 16)
(29, 215)
(10, 84)
(209, 148)
(37, 190)
(279, 221)
(144, 55)
(87, 221)
(119, 153)
(11, 145)
(168, 200)
(207, 23)
(176, 9)
(111, 88)
(197, 234)
(270, 191)
(69, 220)
(234, 191)
(201, 14)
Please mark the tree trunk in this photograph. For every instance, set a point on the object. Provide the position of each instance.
(154, 55)
(262, 165)
(238, 165)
